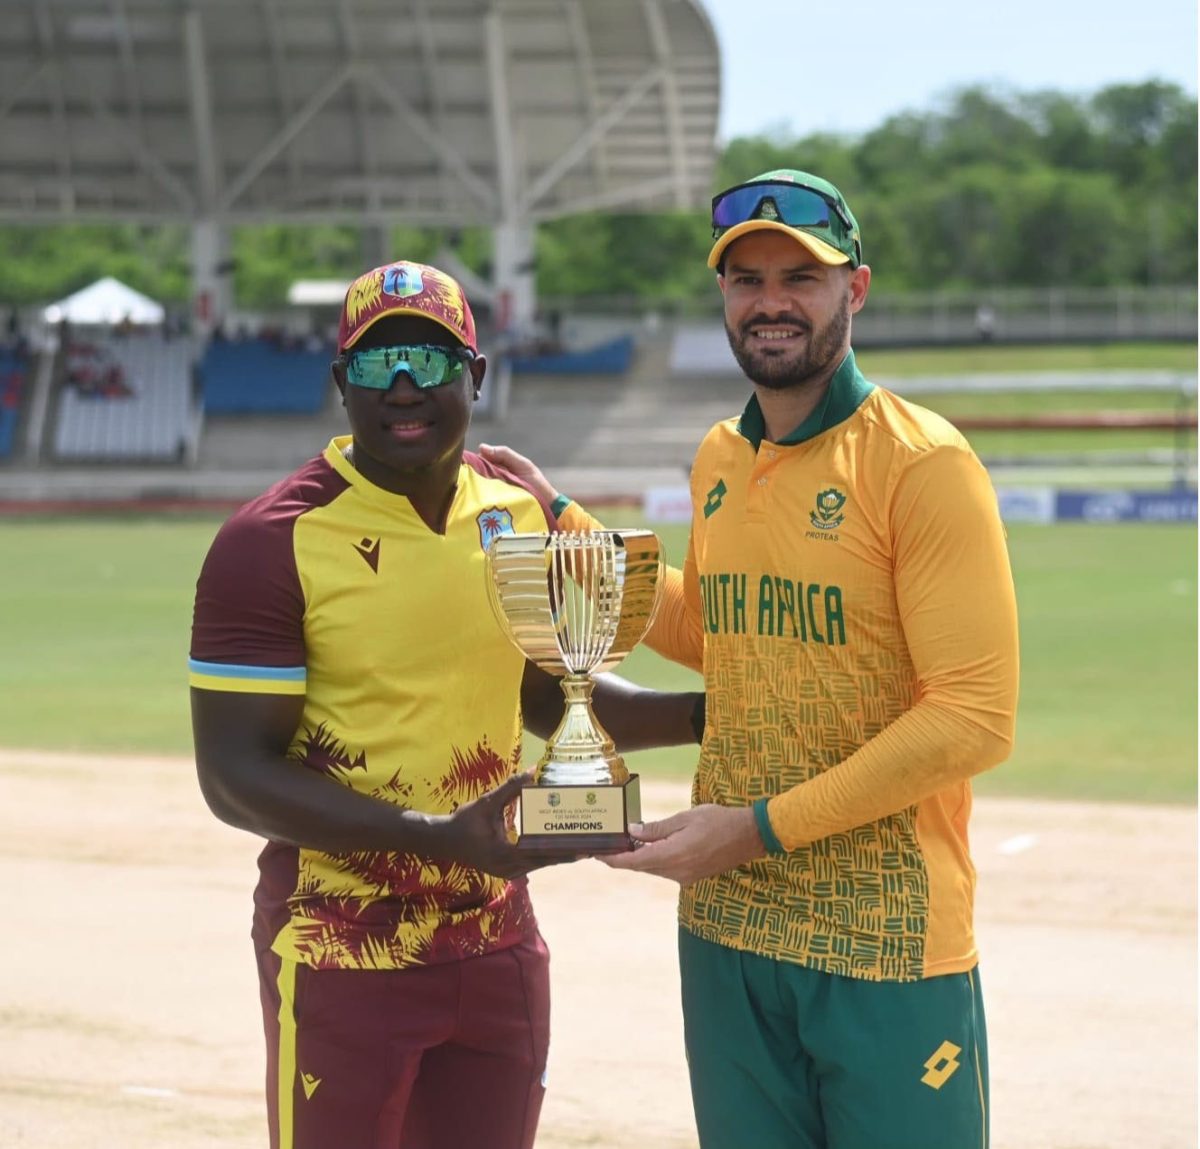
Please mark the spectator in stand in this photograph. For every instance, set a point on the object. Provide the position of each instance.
(12, 330)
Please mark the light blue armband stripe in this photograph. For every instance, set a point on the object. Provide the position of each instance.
(560, 504)
(232, 670)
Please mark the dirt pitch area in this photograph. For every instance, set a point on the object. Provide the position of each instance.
(129, 1009)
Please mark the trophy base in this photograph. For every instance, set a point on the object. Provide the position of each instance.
(583, 843)
(590, 819)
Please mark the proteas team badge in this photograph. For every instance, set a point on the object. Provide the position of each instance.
(827, 515)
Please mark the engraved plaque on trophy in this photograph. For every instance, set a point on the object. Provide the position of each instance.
(576, 604)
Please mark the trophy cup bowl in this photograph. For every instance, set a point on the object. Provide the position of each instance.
(575, 604)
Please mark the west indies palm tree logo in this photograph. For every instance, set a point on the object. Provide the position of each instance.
(493, 523)
(827, 515)
(403, 279)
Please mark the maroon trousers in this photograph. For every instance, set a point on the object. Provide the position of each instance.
(432, 1057)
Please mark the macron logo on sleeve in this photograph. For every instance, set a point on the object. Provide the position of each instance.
(369, 549)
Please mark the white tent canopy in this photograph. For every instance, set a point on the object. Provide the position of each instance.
(318, 292)
(107, 301)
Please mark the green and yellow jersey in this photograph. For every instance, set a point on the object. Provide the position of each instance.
(848, 598)
(329, 587)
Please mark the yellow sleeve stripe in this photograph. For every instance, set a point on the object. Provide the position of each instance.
(244, 685)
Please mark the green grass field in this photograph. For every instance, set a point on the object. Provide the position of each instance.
(957, 361)
(95, 616)
(986, 358)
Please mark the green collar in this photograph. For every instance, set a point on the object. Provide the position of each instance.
(844, 395)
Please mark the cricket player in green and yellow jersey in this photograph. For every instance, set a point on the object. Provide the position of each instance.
(847, 596)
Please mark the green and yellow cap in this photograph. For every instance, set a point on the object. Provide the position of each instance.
(809, 209)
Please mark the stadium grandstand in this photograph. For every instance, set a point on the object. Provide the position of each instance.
(461, 113)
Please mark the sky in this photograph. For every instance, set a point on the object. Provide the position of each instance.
(845, 66)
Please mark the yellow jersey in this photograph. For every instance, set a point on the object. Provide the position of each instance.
(848, 597)
(329, 587)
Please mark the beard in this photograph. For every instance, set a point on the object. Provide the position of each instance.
(821, 353)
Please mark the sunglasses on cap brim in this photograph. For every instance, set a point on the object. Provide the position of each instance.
(792, 204)
(428, 365)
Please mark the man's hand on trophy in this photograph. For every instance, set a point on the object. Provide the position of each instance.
(480, 834)
(693, 844)
(525, 469)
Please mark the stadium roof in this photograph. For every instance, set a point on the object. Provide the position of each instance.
(423, 111)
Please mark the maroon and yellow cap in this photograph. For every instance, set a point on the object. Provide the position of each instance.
(405, 288)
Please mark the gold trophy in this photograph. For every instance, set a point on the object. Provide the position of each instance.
(575, 604)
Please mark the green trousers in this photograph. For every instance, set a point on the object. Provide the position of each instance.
(784, 1057)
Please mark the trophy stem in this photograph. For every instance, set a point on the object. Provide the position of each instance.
(580, 752)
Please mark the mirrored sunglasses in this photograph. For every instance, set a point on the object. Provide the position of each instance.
(428, 365)
(792, 204)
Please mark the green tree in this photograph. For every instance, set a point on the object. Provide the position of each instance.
(980, 128)
(1062, 228)
(44, 263)
(898, 153)
(1066, 129)
(655, 256)
(269, 259)
(1135, 119)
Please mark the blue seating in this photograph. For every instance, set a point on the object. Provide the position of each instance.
(8, 427)
(254, 375)
(611, 358)
(14, 372)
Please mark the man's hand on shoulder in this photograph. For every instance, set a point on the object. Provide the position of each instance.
(516, 464)
(693, 844)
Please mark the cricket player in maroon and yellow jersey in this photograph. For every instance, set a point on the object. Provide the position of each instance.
(848, 598)
(356, 703)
